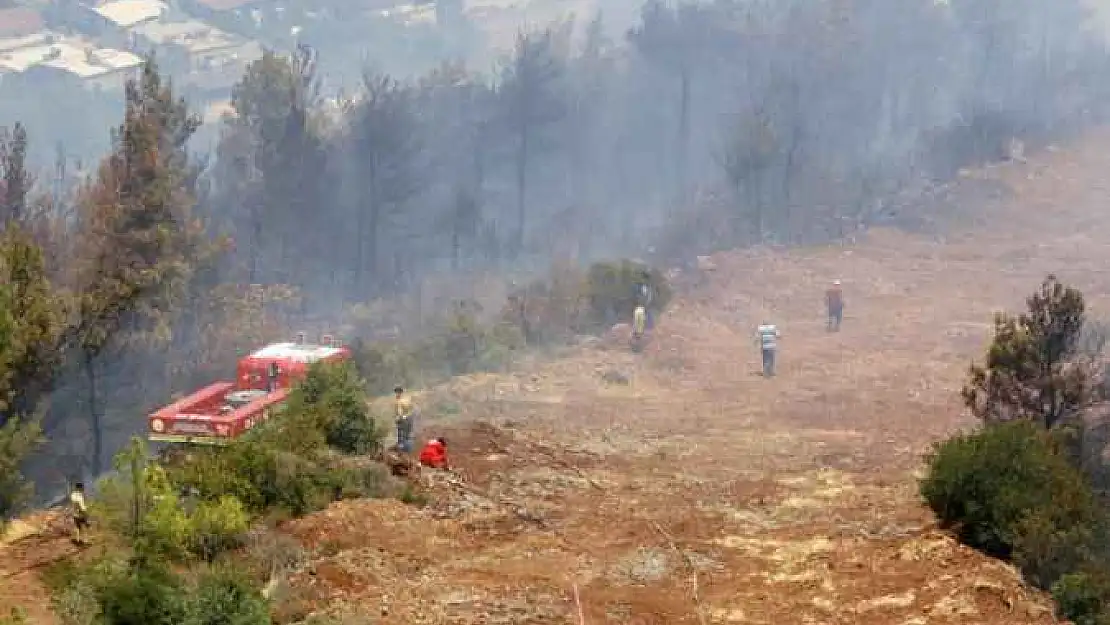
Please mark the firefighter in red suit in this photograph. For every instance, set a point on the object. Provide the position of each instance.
(434, 454)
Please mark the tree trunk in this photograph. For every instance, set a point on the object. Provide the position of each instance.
(254, 198)
(789, 168)
(479, 165)
(455, 244)
(136, 496)
(758, 221)
(94, 414)
(256, 245)
(374, 225)
(521, 190)
(683, 134)
(360, 249)
(366, 247)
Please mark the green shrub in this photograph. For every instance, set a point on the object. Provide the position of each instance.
(15, 617)
(218, 526)
(985, 484)
(141, 503)
(1048, 545)
(570, 302)
(1082, 598)
(165, 527)
(259, 475)
(144, 591)
(288, 481)
(354, 482)
(211, 473)
(76, 604)
(612, 290)
(234, 470)
(226, 596)
(332, 399)
(147, 594)
(549, 310)
(17, 439)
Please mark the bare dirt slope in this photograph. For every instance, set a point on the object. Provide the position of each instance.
(700, 492)
(679, 486)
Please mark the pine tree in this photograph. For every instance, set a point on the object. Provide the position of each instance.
(1031, 370)
(15, 185)
(31, 316)
(138, 237)
(30, 322)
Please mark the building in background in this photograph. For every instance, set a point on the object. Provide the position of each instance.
(202, 59)
(116, 20)
(63, 60)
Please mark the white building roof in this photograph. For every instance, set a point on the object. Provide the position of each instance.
(83, 61)
(128, 13)
(23, 59)
(410, 14)
(11, 43)
(116, 59)
(296, 352)
(192, 35)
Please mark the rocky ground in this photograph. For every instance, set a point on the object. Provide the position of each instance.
(678, 485)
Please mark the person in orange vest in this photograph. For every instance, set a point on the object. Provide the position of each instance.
(434, 454)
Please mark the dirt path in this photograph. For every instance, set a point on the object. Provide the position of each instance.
(27, 547)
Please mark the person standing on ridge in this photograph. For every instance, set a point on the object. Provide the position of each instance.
(402, 405)
(80, 511)
(768, 336)
(834, 300)
(646, 297)
(639, 323)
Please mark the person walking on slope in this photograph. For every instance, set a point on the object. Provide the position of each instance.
(639, 322)
(402, 406)
(646, 297)
(834, 300)
(80, 511)
(768, 336)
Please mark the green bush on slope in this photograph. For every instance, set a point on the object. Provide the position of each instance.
(986, 484)
(1010, 491)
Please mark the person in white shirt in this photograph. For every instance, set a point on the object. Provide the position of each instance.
(768, 336)
(80, 512)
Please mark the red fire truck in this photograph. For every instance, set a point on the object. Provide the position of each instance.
(223, 411)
